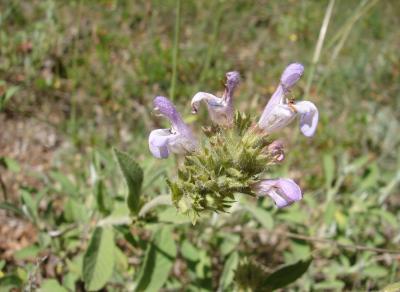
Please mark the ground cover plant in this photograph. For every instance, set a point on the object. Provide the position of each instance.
(85, 202)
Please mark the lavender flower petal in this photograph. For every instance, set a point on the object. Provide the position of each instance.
(158, 143)
(165, 107)
(276, 98)
(162, 142)
(179, 139)
(209, 98)
(308, 117)
(291, 75)
(283, 191)
(232, 81)
(220, 109)
(278, 118)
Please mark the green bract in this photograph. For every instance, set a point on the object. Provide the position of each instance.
(229, 162)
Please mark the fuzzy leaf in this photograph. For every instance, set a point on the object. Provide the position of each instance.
(158, 261)
(286, 274)
(228, 272)
(395, 287)
(133, 175)
(9, 282)
(98, 261)
(262, 216)
(52, 285)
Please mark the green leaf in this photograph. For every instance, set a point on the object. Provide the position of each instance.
(2, 264)
(7, 96)
(329, 169)
(356, 164)
(189, 251)
(52, 285)
(69, 281)
(375, 271)
(395, 287)
(300, 250)
(329, 212)
(29, 252)
(29, 204)
(133, 175)
(98, 261)
(8, 282)
(262, 216)
(332, 285)
(158, 261)
(229, 242)
(286, 274)
(65, 183)
(171, 215)
(229, 271)
(11, 207)
(293, 215)
(75, 211)
(103, 199)
(10, 92)
(12, 164)
(387, 216)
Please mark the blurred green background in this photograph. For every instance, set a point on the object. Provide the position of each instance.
(78, 78)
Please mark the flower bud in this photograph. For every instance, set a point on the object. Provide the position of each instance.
(275, 150)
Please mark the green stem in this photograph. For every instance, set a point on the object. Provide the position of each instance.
(157, 201)
(175, 50)
(320, 42)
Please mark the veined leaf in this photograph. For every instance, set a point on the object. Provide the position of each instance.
(133, 175)
(12, 164)
(4, 98)
(13, 208)
(98, 261)
(392, 287)
(329, 169)
(9, 282)
(286, 274)
(29, 205)
(262, 216)
(51, 285)
(229, 271)
(158, 261)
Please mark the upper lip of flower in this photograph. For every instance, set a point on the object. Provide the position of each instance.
(220, 108)
(179, 138)
(291, 75)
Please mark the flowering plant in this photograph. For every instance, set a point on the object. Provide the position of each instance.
(237, 153)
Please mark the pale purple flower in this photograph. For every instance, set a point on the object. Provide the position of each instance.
(283, 191)
(220, 109)
(178, 139)
(279, 112)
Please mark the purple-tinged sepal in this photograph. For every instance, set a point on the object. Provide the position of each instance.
(178, 139)
(283, 191)
(220, 108)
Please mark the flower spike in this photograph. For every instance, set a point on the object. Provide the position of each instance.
(179, 139)
(220, 109)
